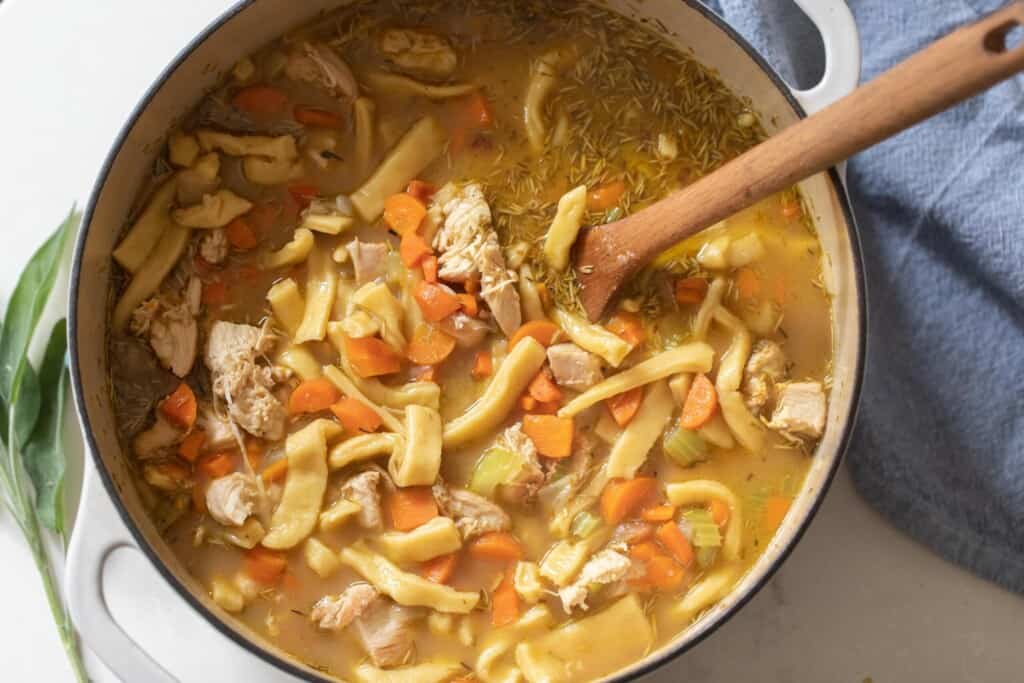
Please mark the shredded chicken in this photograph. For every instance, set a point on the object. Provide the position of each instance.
(171, 329)
(335, 612)
(800, 409)
(468, 246)
(573, 367)
(524, 485)
(419, 53)
(608, 566)
(556, 494)
(318, 64)
(766, 366)
(246, 387)
(474, 515)
(213, 247)
(386, 632)
(231, 499)
(369, 260)
(364, 489)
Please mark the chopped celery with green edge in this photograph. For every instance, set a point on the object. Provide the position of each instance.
(31, 419)
(498, 465)
(706, 556)
(584, 524)
(685, 447)
(705, 531)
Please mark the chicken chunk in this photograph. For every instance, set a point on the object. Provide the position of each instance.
(364, 489)
(157, 440)
(800, 409)
(573, 367)
(468, 246)
(318, 64)
(766, 366)
(474, 515)
(419, 53)
(217, 429)
(213, 247)
(174, 336)
(335, 612)
(386, 631)
(608, 566)
(369, 260)
(246, 387)
(468, 331)
(524, 485)
(231, 499)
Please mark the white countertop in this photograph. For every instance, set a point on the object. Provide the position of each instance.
(855, 600)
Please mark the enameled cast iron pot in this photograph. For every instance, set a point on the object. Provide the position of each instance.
(249, 25)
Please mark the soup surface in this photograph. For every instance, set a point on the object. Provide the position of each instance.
(350, 363)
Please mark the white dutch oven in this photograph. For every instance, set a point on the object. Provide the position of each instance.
(249, 25)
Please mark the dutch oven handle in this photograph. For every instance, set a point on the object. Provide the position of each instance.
(839, 34)
(91, 546)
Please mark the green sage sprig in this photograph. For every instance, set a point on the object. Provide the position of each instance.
(31, 423)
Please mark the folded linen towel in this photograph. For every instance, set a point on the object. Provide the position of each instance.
(939, 447)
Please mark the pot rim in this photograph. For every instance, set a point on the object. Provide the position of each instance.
(667, 653)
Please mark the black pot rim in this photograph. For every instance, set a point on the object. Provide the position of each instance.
(288, 666)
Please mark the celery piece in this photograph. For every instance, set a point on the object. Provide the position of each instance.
(498, 465)
(584, 524)
(705, 532)
(685, 447)
(706, 556)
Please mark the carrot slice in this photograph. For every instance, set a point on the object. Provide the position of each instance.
(483, 365)
(217, 464)
(476, 110)
(623, 407)
(303, 193)
(470, 306)
(606, 196)
(658, 513)
(472, 285)
(543, 388)
(371, 357)
(623, 497)
(413, 249)
(436, 302)
(312, 396)
(552, 435)
(664, 574)
(190, 447)
(628, 327)
(421, 190)
(356, 416)
(240, 234)
(320, 118)
(264, 566)
(403, 213)
(720, 512)
(691, 290)
(700, 403)
(429, 345)
(527, 402)
(260, 99)
(644, 550)
(543, 331)
(748, 283)
(673, 538)
(505, 601)
(429, 266)
(411, 507)
(775, 509)
(180, 407)
(275, 471)
(440, 569)
(500, 546)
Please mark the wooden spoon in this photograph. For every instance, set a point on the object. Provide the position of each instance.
(962, 64)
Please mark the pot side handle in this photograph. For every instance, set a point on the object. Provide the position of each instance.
(841, 38)
(87, 556)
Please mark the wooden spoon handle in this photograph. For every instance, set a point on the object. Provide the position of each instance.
(949, 71)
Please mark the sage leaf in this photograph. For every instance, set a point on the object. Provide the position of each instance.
(26, 405)
(43, 454)
(26, 306)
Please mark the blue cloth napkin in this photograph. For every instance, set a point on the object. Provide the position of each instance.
(939, 446)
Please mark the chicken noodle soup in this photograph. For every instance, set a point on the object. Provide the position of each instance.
(350, 363)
